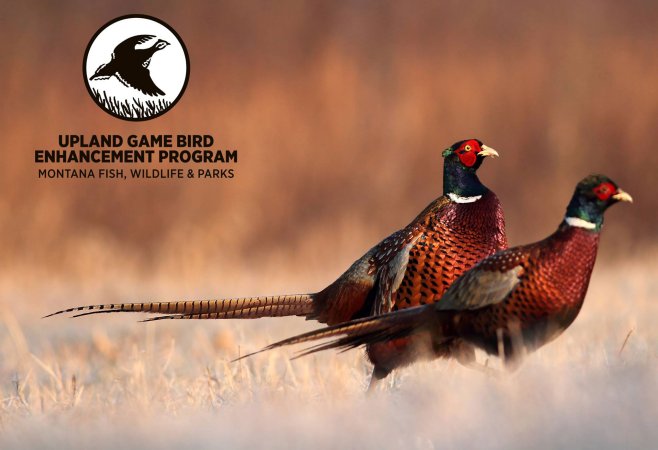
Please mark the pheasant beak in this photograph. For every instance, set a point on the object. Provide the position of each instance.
(622, 196)
(488, 151)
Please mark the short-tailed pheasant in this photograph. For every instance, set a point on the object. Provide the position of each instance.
(411, 267)
(513, 301)
(129, 64)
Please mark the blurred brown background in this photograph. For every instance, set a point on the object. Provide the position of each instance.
(340, 111)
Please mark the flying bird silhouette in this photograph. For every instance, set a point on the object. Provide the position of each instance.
(130, 64)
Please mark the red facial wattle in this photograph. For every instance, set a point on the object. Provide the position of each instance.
(468, 158)
(467, 152)
(604, 190)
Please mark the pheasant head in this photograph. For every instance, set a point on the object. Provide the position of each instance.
(462, 160)
(593, 195)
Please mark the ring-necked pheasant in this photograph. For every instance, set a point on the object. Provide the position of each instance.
(130, 64)
(515, 300)
(411, 267)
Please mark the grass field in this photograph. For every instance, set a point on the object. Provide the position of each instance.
(340, 112)
(109, 382)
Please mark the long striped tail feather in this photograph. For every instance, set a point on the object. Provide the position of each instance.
(254, 312)
(368, 330)
(231, 308)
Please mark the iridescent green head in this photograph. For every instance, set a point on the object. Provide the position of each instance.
(593, 195)
(462, 160)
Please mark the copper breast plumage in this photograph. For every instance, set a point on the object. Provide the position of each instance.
(555, 277)
(454, 240)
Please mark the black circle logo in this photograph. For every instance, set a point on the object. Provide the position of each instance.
(136, 67)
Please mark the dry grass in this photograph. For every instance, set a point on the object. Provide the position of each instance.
(117, 383)
(339, 111)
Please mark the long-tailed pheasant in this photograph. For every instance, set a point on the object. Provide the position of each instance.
(411, 267)
(513, 301)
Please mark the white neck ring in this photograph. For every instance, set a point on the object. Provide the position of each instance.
(459, 199)
(580, 223)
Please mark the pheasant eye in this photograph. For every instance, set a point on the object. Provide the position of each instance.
(604, 190)
(468, 148)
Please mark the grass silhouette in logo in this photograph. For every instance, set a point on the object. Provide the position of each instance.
(130, 108)
(130, 65)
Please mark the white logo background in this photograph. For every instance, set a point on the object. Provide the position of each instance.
(168, 67)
